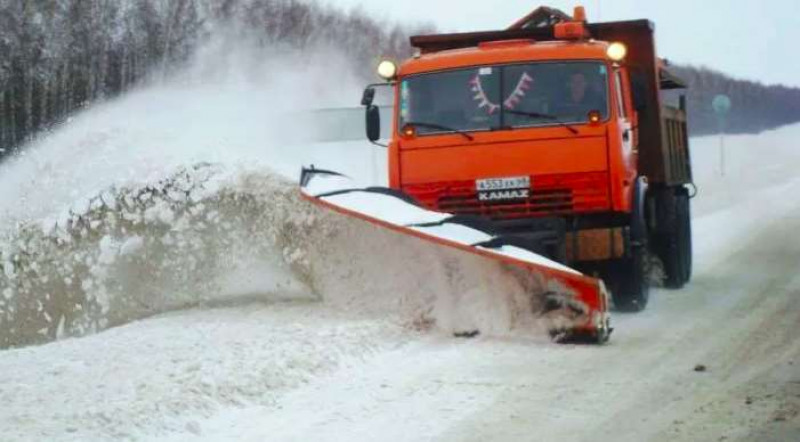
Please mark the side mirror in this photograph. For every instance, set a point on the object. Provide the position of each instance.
(369, 97)
(373, 123)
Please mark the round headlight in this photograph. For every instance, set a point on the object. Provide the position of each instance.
(387, 70)
(617, 51)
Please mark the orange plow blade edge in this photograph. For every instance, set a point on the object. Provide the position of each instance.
(574, 306)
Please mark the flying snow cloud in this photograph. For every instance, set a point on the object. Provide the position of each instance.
(147, 203)
(232, 105)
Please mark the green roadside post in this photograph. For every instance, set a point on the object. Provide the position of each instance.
(722, 107)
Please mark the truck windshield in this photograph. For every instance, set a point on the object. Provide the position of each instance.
(504, 97)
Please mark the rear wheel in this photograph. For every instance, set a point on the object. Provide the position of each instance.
(674, 240)
(685, 214)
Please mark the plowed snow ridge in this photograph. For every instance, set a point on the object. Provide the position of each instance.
(160, 200)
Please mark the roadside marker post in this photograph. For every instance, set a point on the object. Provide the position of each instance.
(722, 107)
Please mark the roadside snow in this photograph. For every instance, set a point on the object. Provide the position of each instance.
(170, 373)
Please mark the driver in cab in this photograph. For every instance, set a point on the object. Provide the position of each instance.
(581, 98)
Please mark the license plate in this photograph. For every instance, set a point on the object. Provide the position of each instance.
(503, 189)
(521, 182)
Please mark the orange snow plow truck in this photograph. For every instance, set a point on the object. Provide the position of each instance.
(556, 135)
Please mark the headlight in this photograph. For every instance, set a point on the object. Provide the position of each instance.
(617, 51)
(387, 70)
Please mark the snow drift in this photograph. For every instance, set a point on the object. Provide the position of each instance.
(115, 215)
(205, 236)
(136, 251)
(184, 194)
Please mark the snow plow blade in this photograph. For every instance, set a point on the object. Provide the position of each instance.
(574, 306)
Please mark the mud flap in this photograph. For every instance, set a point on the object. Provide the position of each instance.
(574, 307)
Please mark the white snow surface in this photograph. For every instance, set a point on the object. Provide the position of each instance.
(290, 324)
(385, 208)
(210, 113)
(395, 211)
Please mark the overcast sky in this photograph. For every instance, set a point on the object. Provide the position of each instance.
(748, 39)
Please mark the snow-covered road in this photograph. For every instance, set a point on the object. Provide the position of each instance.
(267, 368)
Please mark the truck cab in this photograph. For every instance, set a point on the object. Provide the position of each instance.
(556, 135)
(515, 130)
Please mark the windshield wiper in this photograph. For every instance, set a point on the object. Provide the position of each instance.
(439, 126)
(545, 117)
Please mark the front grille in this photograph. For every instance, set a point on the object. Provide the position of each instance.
(539, 202)
(550, 195)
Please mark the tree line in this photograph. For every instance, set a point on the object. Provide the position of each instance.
(57, 56)
(755, 107)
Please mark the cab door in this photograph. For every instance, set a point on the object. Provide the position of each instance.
(623, 142)
(625, 117)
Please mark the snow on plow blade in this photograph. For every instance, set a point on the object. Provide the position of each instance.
(574, 307)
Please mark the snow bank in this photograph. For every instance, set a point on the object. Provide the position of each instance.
(120, 214)
(750, 162)
(169, 374)
(136, 251)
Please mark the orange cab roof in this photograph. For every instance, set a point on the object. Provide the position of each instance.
(494, 53)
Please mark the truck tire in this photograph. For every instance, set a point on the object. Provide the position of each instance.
(630, 281)
(674, 243)
(685, 234)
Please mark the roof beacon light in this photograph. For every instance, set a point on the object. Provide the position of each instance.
(617, 51)
(387, 70)
(574, 29)
(579, 14)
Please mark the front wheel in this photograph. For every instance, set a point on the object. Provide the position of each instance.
(630, 279)
(630, 282)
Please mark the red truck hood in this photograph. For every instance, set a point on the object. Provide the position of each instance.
(475, 160)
